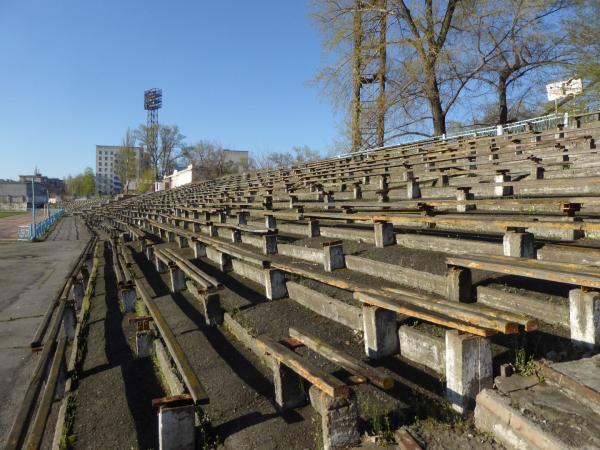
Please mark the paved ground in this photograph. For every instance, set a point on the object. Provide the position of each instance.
(30, 275)
(9, 225)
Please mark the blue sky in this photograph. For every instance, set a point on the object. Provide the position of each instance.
(73, 74)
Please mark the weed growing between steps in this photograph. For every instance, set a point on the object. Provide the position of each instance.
(68, 439)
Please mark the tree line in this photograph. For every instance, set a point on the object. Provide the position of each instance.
(164, 148)
(425, 67)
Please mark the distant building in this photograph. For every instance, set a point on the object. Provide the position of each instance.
(107, 180)
(178, 178)
(16, 195)
(55, 186)
(192, 174)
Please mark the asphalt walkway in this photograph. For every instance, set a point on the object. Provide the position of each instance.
(30, 275)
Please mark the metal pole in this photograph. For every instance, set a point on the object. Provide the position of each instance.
(33, 207)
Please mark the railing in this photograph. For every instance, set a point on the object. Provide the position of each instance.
(32, 231)
(538, 124)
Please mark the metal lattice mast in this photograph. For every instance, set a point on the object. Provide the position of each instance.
(152, 103)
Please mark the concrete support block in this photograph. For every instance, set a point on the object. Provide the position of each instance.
(270, 222)
(243, 217)
(333, 257)
(69, 321)
(89, 263)
(313, 228)
(384, 234)
(196, 227)
(464, 195)
(326, 306)
(222, 259)
(500, 190)
(523, 304)
(176, 428)
(423, 348)
(211, 304)
(289, 386)
(128, 297)
(174, 386)
(518, 244)
(269, 244)
(495, 415)
(170, 236)
(199, 249)
(274, 284)
(380, 332)
(468, 368)
(143, 343)
(212, 231)
(412, 189)
(182, 241)
(150, 252)
(161, 267)
(357, 192)
(339, 419)
(77, 292)
(584, 317)
(537, 173)
(328, 200)
(236, 236)
(177, 279)
(459, 284)
(211, 307)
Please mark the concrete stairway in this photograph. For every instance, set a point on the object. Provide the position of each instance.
(558, 408)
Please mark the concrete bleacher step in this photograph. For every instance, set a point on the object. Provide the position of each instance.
(529, 414)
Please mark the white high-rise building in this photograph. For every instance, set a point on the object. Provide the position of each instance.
(107, 180)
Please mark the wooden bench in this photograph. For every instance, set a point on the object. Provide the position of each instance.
(575, 274)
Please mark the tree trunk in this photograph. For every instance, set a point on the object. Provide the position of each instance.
(381, 107)
(432, 92)
(502, 102)
(356, 77)
(437, 112)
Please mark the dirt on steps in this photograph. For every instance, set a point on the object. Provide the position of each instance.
(115, 390)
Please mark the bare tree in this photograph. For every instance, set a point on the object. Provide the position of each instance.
(163, 155)
(585, 46)
(127, 164)
(280, 160)
(519, 36)
(356, 31)
(434, 55)
(209, 159)
(171, 142)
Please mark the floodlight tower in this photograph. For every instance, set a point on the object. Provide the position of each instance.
(152, 103)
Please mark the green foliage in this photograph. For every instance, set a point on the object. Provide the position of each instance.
(379, 422)
(145, 182)
(523, 363)
(82, 185)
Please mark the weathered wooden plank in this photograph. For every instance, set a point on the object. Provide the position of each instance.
(347, 362)
(324, 381)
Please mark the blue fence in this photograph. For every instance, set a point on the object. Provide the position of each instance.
(31, 231)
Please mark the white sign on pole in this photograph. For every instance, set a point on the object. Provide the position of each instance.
(564, 88)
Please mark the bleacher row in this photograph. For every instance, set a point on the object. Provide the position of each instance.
(451, 233)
